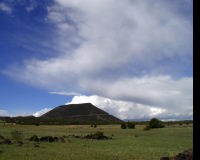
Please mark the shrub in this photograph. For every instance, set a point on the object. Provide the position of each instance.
(123, 125)
(17, 135)
(187, 123)
(62, 140)
(97, 135)
(155, 123)
(131, 125)
(95, 126)
(6, 141)
(1, 137)
(34, 138)
(48, 139)
(91, 125)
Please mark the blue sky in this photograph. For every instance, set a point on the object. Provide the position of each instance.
(133, 59)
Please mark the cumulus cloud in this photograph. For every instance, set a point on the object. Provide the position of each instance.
(162, 91)
(133, 51)
(130, 110)
(4, 7)
(41, 112)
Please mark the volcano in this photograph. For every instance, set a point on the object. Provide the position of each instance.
(84, 112)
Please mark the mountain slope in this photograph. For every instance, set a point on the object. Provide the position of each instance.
(79, 112)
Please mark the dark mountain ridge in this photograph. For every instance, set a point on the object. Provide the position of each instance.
(84, 113)
(79, 112)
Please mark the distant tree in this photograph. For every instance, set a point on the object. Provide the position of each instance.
(131, 125)
(155, 123)
(123, 125)
(187, 123)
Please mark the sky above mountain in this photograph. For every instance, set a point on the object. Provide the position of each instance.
(132, 58)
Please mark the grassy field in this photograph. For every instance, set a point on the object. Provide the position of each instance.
(127, 144)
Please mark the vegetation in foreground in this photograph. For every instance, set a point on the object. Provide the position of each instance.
(128, 144)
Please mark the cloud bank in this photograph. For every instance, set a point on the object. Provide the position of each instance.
(41, 112)
(130, 110)
(120, 109)
(137, 53)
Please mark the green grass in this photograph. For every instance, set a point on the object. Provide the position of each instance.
(127, 144)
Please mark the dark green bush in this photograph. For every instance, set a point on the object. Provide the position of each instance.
(131, 125)
(34, 138)
(6, 141)
(123, 125)
(155, 123)
(97, 135)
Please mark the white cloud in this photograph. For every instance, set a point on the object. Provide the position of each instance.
(160, 91)
(131, 36)
(41, 112)
(4, 7)
(130, 110)
(133, 51)
(120, 109)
